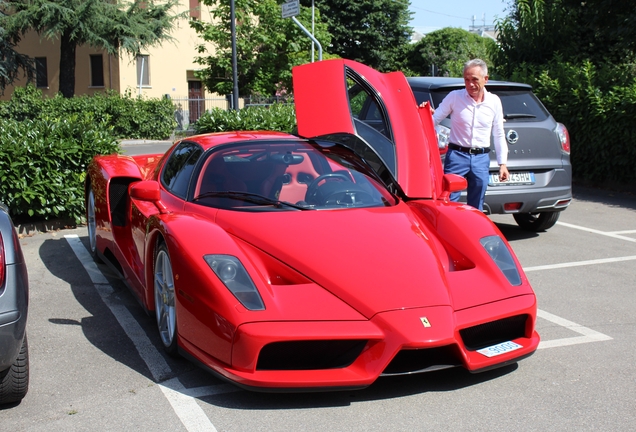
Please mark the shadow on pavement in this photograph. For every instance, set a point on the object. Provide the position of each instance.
(100, 327)
(607, 197)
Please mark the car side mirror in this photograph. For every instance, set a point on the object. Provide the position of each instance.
(147, 190)
(452, 183)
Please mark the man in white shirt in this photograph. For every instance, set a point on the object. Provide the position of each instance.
(475, 115)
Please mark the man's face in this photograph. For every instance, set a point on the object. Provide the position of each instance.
(475, 82)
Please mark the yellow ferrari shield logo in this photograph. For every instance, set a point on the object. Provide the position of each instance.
(425, 321)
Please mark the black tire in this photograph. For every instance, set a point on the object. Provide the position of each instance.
(536, 221)
(14, 382)
(165, 299)
(91, 225)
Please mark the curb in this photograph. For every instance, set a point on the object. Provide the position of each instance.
(29, 229)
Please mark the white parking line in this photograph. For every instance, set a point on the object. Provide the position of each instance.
(615, 234)
(579, 263)
(183, 404)
(588, 335)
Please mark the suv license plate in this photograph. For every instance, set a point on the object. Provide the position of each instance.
(516, 178)
(499, 349)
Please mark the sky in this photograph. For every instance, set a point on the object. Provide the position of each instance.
(429, 15)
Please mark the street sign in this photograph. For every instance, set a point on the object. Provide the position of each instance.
(290, 9)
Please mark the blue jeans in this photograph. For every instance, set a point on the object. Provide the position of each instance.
(475, 169)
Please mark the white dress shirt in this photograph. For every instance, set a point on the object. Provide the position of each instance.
(473, 123)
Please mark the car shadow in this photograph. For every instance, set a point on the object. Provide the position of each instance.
(603, 196)
(100, 327)
(512, 232)
(384, 388)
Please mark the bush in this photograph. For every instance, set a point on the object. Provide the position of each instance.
(276, 117)
(130, 117)
(597, 105)
(43, 163)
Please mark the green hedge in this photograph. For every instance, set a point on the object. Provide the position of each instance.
(43, 163)
(598, 106)
(276, 117)
(130, 117)
(46, 145)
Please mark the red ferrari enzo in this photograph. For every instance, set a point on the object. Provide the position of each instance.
(321, 260)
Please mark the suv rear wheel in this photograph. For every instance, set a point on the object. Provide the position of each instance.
(536, 221)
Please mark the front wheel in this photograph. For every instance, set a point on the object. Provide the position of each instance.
(165, 305)
(14, 382)
(537, 221)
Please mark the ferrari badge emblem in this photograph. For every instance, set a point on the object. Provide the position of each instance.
(425, 321)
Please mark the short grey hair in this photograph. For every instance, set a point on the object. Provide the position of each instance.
(476, 62)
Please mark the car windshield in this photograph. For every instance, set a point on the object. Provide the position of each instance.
(287, 176)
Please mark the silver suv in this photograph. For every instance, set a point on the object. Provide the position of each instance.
(539, 153)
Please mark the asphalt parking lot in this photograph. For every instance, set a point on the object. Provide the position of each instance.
(96, 361)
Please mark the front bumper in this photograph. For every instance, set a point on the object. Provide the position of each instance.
(433, 334)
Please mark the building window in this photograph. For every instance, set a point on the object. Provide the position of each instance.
(97, 70)
(41, 73)
(143, 71)
(195, 10)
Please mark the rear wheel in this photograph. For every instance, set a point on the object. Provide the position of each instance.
(165, 305)
(14, 382)
(536, 221)
(91, 224)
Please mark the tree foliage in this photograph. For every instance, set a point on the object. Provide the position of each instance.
(267, 46)
(373, 32)
(110, 25)
(579, 57)
(601, 31)
(444, 52)
(11, 62)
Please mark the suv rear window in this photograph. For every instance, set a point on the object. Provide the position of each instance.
(518, 105)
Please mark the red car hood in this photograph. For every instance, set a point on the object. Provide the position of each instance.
(374, 259)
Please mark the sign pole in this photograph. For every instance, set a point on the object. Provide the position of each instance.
(235, 90)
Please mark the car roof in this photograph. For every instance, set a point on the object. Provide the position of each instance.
(435, 83)
(215, 139)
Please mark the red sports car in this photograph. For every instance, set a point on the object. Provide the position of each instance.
(321, 260)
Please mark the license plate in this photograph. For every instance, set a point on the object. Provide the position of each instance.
(515, 179)
(502, 348)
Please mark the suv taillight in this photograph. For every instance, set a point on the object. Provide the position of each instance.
(2, 263)
(443, 134)
(564, 137)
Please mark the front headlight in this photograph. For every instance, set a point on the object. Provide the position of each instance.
(501, 255)
(234, 276)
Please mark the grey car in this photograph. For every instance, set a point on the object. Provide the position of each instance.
(539, 153)
(539, 149)
(14, 299)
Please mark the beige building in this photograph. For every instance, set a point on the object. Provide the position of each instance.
(166, 69)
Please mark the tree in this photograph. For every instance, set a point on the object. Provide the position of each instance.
(110, 25)
(267, 46)
(373, 32)
(11, 62)
(535, 31)
(444, 52)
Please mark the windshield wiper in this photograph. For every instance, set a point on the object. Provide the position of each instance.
(519, 115)
(249, 197)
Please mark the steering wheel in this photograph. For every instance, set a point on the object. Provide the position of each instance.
(313, 187)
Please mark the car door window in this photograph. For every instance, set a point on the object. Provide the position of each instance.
(178, 171)
(371, 122)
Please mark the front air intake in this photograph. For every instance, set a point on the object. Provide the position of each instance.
(492, 333)
(309, 355)
(410, 361)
